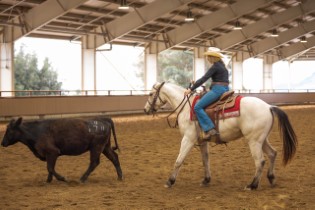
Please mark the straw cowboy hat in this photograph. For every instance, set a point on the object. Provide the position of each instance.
(213, 54)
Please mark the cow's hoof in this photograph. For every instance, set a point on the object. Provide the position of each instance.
(83, 180)
(61, 179)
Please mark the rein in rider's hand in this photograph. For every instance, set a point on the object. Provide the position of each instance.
(187, 92)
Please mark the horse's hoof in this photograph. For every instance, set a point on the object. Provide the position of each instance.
(272, 180)
(169, 183)
(205, 182)
(167, 186)
(247, 188)
(202, 184)
(250, 187)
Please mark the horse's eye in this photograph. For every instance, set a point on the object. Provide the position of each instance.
(151, 94)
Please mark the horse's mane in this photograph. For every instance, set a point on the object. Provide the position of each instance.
(175, 86)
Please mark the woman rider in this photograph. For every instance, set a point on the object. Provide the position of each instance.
(219, 85)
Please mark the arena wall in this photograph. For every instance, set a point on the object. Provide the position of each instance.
(70, 105)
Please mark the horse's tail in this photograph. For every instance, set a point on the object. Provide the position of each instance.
(112, 125)
(288, 135)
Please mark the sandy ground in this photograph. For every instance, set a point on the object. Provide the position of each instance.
(148, 152)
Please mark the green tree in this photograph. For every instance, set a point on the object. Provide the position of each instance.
(29, 77)
(176, 66)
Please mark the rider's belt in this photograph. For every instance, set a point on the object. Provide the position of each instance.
(220, 83)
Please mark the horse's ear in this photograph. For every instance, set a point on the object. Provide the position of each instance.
(156, 85)
(153, 86)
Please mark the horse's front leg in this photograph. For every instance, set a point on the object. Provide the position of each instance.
(186, 146)
(204, 149)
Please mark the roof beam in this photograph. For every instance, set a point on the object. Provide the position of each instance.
(269, 43)
(210, 21)
(42, 14)
(235, 37)
(291, 51)
(138, 18)
(296, 48)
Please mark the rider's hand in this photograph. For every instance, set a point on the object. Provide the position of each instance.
(187, 92)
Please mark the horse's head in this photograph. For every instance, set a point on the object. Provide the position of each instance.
(155, 101)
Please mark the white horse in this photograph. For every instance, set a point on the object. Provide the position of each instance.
(254, 124)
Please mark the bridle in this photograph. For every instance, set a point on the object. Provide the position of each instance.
(155, 98)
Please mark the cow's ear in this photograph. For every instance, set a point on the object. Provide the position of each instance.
(12, 122)
(18, 122)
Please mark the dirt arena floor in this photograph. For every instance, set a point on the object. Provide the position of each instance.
(148, 152)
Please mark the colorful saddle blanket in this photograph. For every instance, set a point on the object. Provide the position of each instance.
(226, 107)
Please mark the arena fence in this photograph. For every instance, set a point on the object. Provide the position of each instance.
(64, 105)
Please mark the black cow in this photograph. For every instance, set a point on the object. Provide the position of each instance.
(48, 139)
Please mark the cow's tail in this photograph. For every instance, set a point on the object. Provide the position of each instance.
(116, 147)
(288, 135)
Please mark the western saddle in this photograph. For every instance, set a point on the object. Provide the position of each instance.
(226, 101)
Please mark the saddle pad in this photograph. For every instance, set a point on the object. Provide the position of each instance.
(233, 111)
(227, 113)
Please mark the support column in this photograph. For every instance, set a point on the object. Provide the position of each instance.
(237, 72)
(88, 64)
(150, 69)
(6, 63)
(199, 68)
(267, 73)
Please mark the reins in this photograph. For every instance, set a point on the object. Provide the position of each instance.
(181, 106)
(157, 96)
(176, 122)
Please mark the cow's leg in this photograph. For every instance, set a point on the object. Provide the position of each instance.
(112, 156)
(94, 162)
(51, 162)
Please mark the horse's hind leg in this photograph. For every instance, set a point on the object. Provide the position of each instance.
(256, 150)
(113, 157)
(204, 149)
(272, 154)
(186, 146)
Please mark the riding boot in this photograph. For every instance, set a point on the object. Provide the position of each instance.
(207, 135)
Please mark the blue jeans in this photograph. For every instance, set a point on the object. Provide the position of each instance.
(214, 94)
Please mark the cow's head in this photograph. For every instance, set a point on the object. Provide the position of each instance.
(12, 133)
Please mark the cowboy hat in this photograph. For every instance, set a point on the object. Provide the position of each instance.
(213, 54)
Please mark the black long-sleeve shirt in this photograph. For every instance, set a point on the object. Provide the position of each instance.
(217, 72)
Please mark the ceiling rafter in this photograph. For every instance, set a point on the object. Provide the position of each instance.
(150, 21)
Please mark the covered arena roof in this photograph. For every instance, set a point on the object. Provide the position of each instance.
(161, 24)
